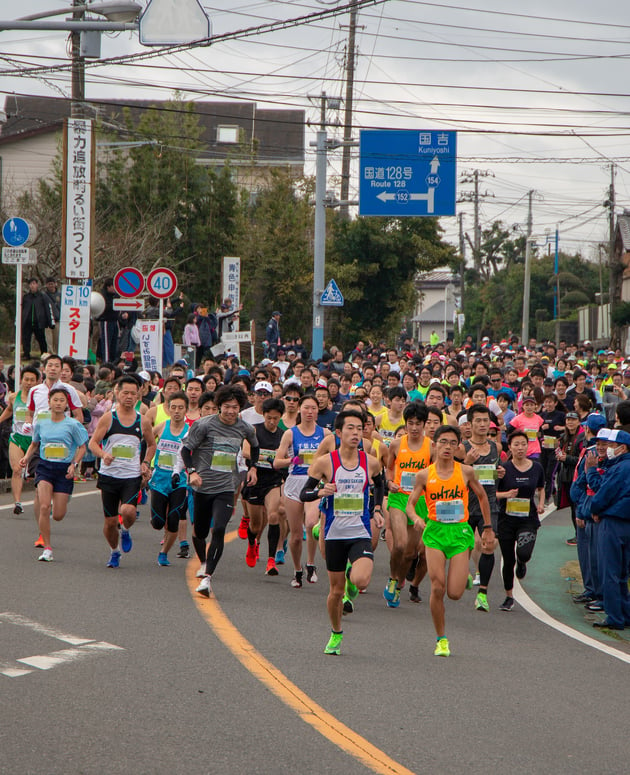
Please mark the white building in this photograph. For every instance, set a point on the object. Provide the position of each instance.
(436, 293)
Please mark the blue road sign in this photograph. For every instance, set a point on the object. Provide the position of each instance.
(404, 172)
(129, 282)
(16, 232)
(332, 296)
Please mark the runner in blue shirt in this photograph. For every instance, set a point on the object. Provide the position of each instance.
(61, 443)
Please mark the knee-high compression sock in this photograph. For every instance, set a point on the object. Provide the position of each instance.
(486, 566)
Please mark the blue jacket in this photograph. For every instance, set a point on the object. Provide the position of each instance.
(613, 497)
(578, 493)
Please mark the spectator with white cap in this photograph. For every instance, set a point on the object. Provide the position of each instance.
(611, 508)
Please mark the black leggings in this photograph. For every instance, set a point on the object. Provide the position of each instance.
(168, 510)
(519, 545)
(215, 510)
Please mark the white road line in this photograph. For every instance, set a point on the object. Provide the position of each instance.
(12, 672)
(524, 600)
(55, 658)
(43, 629)
(8, 506)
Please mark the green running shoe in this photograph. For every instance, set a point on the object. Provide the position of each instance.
(442, 649)
(481, 602)
(334, 644)
(351, 591)
(348, 606)
(315, 531)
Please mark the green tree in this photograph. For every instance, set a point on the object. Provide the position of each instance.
(375, 262)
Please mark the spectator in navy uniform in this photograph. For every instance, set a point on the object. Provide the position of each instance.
(37, 316)
(611, 508)
(272, 334)
(108, 342)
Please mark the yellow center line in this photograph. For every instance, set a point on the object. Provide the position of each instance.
(277, 683)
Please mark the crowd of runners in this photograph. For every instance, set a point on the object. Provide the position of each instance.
(436, 455)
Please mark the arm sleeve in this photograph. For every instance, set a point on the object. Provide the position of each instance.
(310, 491)
(187, 456)
(379, 489)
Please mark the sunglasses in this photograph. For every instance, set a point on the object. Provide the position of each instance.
(492, 435)
(291, 400)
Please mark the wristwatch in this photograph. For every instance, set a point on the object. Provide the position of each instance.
(191, 470)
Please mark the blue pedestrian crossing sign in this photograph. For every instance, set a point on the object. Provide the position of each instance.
(407, 172)
(332, 296)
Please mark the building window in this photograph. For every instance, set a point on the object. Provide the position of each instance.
(228, 134)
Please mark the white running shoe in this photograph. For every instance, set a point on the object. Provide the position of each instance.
(204, 588)
(476, 580)
(46, 556)
(201, 572)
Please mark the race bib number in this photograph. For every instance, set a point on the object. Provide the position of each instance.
(167, 460)
(44, 415)
(485, 474)
(348, 505)
(450, 511)
(307, 456)
(532, 434)
(266, 458)
(517, 507)
(223, 462)
(55, 451)
(549, 442)
(407, 481)
(20, 414)
(123, 451)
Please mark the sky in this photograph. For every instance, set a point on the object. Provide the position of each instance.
(537, 92)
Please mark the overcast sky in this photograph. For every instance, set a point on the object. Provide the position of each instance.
(538, 99)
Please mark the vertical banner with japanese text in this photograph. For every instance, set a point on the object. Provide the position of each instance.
(232, 280)
(78, 205)
(150, 348)
(74, 325)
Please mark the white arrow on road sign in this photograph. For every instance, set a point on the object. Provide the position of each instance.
(402, 196)
(435, 165)
(128, 305)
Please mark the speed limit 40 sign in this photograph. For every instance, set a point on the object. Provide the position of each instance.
(161, 283)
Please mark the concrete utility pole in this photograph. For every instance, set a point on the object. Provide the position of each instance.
(344, 208)
(462, 253)
(611, 239)
(77, 106)
(319, 238)
(527, 278)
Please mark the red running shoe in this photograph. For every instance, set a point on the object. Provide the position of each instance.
(272, 570)
(250, 556)
(242, 528)
(39, 542)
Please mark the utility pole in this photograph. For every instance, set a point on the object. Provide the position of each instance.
(611, 241)
(77, 105)
(344, 208)
(474, 196)
(319, 239)
(527, 278)
(462, 253)
(477, 227)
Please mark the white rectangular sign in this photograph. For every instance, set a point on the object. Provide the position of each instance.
(232, 337)
(78, 204)
(232, 280)
(150, 345)
(19, 256)
(128, 305)
(74, 325)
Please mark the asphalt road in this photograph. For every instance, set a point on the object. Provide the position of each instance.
(515, 696)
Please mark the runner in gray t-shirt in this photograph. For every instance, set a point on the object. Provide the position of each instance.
(209, 453)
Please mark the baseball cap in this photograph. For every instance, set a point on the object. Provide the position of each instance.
(531, 399)
(603, 434)
(572, 416)
(612, 366)
(276, 313)
(619, 436)
(144, 375)
(262, 385)
(595, 422)
(266, 362)
(463, 420)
